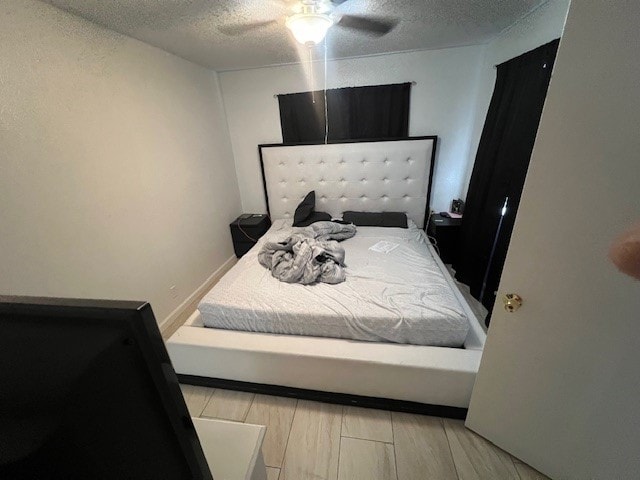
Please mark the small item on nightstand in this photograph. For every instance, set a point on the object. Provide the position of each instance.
(445, 214)
(457, 206)
(246, 230)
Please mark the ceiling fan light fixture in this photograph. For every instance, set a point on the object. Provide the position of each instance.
(309, 28)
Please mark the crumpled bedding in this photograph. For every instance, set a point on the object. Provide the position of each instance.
(328, 231)
(310, 255)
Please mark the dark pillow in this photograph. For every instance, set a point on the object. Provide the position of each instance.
(305, 209)
(313, 218)
(376, 219)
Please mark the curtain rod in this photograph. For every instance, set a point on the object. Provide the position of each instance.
(275, 95)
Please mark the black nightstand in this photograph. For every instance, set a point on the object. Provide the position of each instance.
(246, 230)
(446, 231)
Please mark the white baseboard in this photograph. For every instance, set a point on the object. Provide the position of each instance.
(200, 291)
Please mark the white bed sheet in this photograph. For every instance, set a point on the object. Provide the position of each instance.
(399, 297)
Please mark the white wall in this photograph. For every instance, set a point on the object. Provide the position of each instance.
(442, 103)
(535, 29)
(116, 173)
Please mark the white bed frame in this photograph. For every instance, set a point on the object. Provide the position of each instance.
(364, 176)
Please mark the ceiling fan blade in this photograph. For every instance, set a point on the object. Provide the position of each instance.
(374, 26)
(338, 2)
(241, 29)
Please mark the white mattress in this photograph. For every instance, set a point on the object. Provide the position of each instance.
(400, 297)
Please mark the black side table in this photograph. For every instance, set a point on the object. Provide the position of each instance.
(246, 230)
(446, 232)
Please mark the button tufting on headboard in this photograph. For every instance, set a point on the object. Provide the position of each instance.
(369, 176)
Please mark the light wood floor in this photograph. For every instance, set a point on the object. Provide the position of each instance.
(320, 441)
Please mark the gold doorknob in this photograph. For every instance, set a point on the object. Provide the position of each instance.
(512, 302)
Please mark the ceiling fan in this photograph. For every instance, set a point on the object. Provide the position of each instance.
(311, 19)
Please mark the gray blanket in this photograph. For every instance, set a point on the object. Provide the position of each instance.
(309, 255)
(328, 231)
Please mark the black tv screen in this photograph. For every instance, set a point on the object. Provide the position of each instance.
(87, 391)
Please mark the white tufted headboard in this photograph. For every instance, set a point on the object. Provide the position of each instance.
(371, 176)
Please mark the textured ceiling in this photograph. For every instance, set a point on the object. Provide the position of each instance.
(189, 28)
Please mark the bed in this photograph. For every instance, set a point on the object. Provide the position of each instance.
(400, 297)
(397, 334)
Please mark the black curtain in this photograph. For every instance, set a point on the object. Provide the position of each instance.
(501, 166)
(380, 111)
